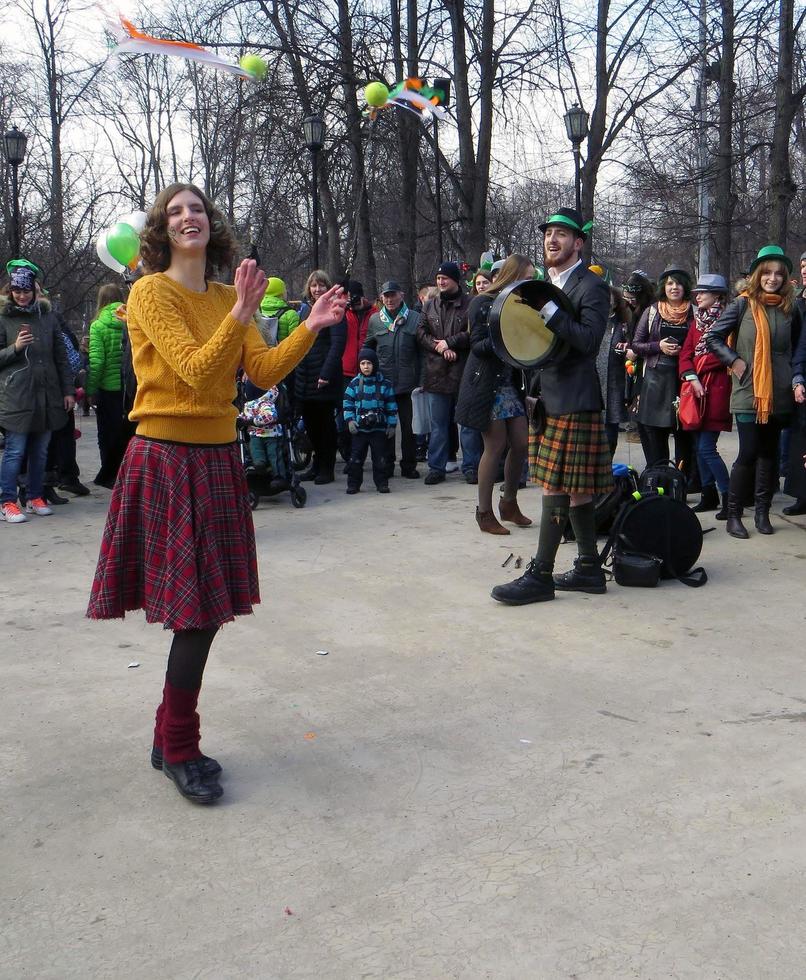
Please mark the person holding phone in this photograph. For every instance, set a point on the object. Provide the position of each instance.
(36, 388)
(658, 340)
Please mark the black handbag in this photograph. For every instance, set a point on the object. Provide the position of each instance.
(634, 568)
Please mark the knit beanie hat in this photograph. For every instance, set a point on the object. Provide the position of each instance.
(451, 270)
(368, 354)
(275, 287)
(23, 280)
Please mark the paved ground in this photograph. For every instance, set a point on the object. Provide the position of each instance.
(598, 787)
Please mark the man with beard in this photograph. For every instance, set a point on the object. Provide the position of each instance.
(571, 460)
(444, 336)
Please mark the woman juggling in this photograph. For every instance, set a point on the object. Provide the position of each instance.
(764, 326)
(179, 541)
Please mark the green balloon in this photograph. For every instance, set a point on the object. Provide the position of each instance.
(123, 243)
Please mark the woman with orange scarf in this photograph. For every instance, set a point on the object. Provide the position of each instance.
(658, 340)
(756, 337)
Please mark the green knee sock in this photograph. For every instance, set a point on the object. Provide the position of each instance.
(583, 521)
(552, 525)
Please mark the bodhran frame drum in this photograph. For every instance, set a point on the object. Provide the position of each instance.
(519, 334)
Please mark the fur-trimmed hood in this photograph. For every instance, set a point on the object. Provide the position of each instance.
(7, 307)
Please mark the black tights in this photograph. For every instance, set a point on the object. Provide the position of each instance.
(495, 441)
(188, 657)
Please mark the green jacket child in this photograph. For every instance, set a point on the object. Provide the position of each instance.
(274, 303)
(106, 334)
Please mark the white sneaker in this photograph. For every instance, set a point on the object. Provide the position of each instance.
(451, 467)
(11, 513)
(38, 506)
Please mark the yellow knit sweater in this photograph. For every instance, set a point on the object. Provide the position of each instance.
(186, 350)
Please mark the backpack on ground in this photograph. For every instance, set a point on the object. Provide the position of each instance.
(655, 537)
(664, 477)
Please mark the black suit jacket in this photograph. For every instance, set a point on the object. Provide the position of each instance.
(572, 383)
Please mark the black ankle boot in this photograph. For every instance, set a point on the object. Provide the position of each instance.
(189, 779)
(585, 576)
(722, 515)
(708, 501)
(210, 768)
(49, 493)
(535, 585)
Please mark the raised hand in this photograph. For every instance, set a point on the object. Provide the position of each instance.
(250, 285)
(328, 310)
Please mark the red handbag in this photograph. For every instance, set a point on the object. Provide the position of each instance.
(691, 409)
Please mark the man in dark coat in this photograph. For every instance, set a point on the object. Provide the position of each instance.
(572, 459)
(444, 336)
(393, 334)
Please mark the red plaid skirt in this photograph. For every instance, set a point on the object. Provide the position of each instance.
(572, 455)
(179, 541)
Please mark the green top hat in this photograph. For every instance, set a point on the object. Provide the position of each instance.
(25, 264)
(771, 253)
(568, 218)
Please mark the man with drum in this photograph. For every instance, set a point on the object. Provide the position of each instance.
(570, 460)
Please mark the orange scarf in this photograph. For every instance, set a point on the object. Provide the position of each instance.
(762, 357)
(677, 314)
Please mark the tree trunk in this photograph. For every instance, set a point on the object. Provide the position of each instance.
(474, 166)
(597, 125)
(724, 194)
(408, 134)
(782, 187)
(362, 266)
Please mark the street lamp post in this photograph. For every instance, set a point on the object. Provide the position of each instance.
(314, 129)
(576, 126)
(15, 142)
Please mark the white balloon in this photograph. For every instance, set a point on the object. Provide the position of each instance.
(104, 256)
(137, 219)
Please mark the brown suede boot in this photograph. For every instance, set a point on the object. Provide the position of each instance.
(487, 522)
(509, 511)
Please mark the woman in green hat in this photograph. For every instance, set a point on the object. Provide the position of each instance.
(763, 324)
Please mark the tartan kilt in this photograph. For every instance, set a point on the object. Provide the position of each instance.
(179, 542)
(572, 455)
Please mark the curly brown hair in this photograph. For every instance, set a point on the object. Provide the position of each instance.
(155, 250)
(787, 290)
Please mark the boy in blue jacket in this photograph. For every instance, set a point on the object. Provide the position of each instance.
(370, 412)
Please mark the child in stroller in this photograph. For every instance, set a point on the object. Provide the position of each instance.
(265, 429)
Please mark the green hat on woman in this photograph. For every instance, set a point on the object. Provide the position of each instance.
(771, 253)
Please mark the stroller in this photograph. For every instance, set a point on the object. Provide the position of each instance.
(283, 478)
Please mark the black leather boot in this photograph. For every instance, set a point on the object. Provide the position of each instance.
(50, 495)
(765, 477)
(209, 766)
(189, 779)
(708, 501)
(722, 515)
(796, 509)
(535, 585)
(585, 576)
(740, 482)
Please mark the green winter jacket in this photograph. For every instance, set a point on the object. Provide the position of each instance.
(271, 306)
(106, 335)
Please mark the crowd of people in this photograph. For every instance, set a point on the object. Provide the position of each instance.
(659, 375)
(674, 358)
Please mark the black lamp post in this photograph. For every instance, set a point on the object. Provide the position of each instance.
(576, 126)
(314, 129)
(15, 142)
